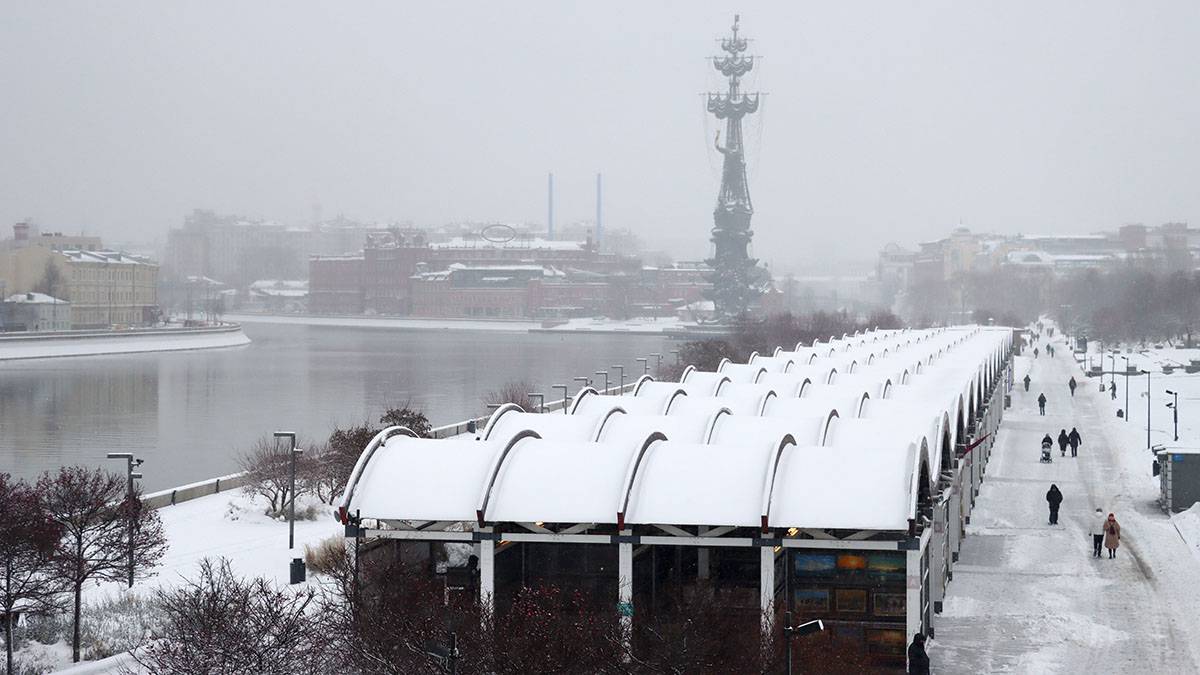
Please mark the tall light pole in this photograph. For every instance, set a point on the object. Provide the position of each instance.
(605, 374)
(541, 400)
(293, 451)
(1174, 406)
(645, 364)
(130, 475)
(1126, 360)
(565, 389)
(1113, 358)
(658, 365)
(1147, 373)
(621, 370)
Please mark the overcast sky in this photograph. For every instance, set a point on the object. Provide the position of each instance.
(885, 120)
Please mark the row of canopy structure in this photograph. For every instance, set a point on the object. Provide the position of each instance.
(832, 480)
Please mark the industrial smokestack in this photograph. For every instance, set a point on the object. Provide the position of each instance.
(550, 206)
(599, 211)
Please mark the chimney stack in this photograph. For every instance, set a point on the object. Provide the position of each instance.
(550, 206)
(599, 212)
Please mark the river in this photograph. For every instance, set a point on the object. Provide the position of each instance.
(189, 414)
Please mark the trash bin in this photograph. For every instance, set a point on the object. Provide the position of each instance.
(298, 571)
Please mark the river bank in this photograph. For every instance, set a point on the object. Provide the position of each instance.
(22, 346)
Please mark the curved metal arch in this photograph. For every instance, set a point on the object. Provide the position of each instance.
(803, 388)
(631, 474)
(579, 396)
(827, 426)
(364, 459)
(768, 491)
(640, 381)
(886, 389)
(711, 427)
(666, 409)
(720, 384)
(762, 404)
(494, 470)
(919, 463)
(724, 362)
(687, 371)
(753, 355)
(495, 418)
(595, 437)
(833, 373)
(860, 402)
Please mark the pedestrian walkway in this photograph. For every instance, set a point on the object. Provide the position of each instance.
(1028, 597)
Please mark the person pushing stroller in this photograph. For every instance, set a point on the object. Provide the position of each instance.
(1047, 445)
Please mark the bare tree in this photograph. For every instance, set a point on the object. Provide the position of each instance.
(28, 537)
(513, 391)
(100, 527)
(221, 623)
(267, 466)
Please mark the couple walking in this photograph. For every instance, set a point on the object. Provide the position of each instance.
(1106, 531)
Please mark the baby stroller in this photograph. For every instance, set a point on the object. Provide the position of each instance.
(1046, 447)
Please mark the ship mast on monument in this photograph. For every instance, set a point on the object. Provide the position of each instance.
(737, 279)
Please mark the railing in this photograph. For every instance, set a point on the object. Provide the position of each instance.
(86, 334)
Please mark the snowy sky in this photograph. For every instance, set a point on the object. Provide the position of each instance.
(885, 120)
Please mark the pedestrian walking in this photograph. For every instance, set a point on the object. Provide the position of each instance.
(1042, 404)
(1075, 440)
(1097, 529)
(1112, 535)
(1026, 380)
(1063, 441)
(1035, 352)
(918, 659)
(1054, 498)
(1072, 385)
(1113, 390)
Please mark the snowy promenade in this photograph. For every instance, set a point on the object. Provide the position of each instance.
(1027, 597)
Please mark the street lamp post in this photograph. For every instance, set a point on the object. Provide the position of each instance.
(1112, 357)
(541, 400)
(1126, 360)
(605, 374)
(678, 356)
(130, 475)
(1174, 406)
(645, 364)
(293, 451)
(790, 630)
(1147, 374)
(621, 370)
(565, 389)
(658, 365)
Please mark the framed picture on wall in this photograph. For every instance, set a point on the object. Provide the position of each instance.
(890, 604)
(851, 600)
(812, 600)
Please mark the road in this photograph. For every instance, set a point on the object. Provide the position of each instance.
(1027, 596)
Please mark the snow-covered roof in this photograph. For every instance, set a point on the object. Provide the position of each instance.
(34, 299)
(854, 454)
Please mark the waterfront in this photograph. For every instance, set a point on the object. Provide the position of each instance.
(189, 413)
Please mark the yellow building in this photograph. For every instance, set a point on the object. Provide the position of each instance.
(105, 288)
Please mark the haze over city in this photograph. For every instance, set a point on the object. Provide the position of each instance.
(883, 121)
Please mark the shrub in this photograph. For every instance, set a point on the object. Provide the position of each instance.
(513, 391)
(327, 557)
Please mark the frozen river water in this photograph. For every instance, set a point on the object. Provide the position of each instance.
(189, 413)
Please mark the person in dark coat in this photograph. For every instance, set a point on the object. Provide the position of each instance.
(918, 659)
(1071, 384)
(1113, 390)
(1054, 498)
(1042, 404)
(1027, 381)
(1075, 440)
(1035, 352)
(1063, 441)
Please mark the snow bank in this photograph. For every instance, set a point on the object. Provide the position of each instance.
(1188, 525)
(120, 343)
(394, 323)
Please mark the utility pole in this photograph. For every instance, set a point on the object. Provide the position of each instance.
(130, 475)
(1126, 360)
(645, 364)
(1147, 408)
(292, 453)
(1174, 406)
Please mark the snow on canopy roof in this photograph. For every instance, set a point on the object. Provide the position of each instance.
(628, 429)
(787, 385)
(788, 389)
(774, 364)
(562, 482)
(677, 483)
(864, 475)
(424, 479)
(736, 429)
(742, 372)
(698, 377)
(795, 408)
(878, 495)
(508, 421)
(818, 373)
(801, 355)
(658, 404)
(875, 384)
(746, 404)
(659, 389)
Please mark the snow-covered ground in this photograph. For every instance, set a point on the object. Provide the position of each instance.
(1028, 597)
(229, 525)
(129, 343)
(642, 325)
